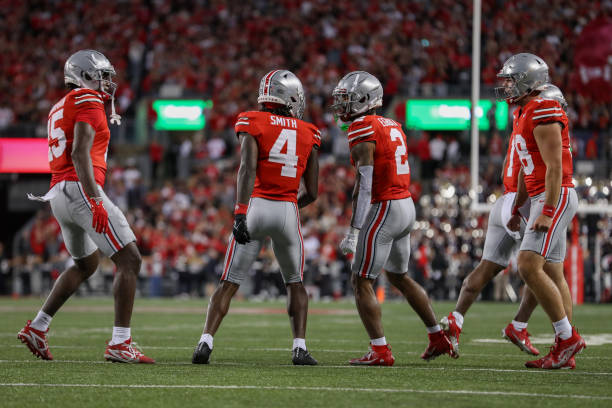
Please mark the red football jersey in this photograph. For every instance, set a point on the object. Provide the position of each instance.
(540, 112)
(391, 178)
(513, 163)
(284, 145)
(79, 105)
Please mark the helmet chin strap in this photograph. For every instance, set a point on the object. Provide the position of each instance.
(114, 117)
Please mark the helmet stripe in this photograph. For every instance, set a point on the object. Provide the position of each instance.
(268, 80)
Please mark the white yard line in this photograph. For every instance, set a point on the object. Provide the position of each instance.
(331, 389)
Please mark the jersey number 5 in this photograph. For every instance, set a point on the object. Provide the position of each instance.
(289, 160)
(57, 137)
(401, 165)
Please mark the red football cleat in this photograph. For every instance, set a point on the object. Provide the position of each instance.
(36, 340)
(439, 344)
(560, 353)
(449, 325)
(563, 350)
(570, 365)
(377, 356)
(520, 338)
(126, 352)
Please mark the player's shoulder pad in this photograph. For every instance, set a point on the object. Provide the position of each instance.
(316, 133)
(247, 122)
(251, 115)
(84, 97)
(361, 128)
(544, 109)
(361, 122)
(386, 122)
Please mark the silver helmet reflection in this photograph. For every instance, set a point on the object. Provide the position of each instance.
(356, 93)
(90, 69)
(550, 91)
(284, 88)
(526, 73)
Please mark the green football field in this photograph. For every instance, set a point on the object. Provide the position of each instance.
(251, 362)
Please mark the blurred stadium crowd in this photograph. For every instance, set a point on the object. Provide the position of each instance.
(179, 198)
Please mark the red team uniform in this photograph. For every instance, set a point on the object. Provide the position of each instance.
(539, 112)
(284, 145)
(80, 105)
(384, 240)
(68, 199)
(391, 178)
(552, 244)
(512, 165)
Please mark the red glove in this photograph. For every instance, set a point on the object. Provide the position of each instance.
(100, 216)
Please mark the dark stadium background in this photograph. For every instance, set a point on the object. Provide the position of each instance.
(177, 187)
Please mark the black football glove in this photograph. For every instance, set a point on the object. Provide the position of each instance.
(240, 231)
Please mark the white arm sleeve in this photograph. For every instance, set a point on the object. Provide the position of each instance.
(365, 195)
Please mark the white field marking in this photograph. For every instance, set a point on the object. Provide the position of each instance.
(495, 370)
(331, 389)
(591, 340)
(322, 366)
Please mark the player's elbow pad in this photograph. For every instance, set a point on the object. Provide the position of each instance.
(365, 195)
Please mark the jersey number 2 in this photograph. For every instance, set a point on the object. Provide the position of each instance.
(289, 160)
(57, 137)
(401, 165)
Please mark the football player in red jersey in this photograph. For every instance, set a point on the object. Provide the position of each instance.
(383, 215)
(78, 143)
(278, 150)
(543, 145)
(500, 245)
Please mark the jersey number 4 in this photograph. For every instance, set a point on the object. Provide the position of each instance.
(289, 160)
(57, 137)
(402, 166)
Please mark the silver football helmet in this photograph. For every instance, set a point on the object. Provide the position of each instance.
(356, 93)
(283, 87)
(527, 72)
(90, 69)
(550, 91)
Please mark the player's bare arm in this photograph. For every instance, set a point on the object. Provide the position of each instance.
(311, 180)
(245, 184)
(548, 138)
(248, 168)
(84, 135)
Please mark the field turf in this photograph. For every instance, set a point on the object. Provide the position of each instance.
(251, 362)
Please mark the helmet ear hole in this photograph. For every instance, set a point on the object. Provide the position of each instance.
(362, 100)
(293, 99)
(86, 76)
